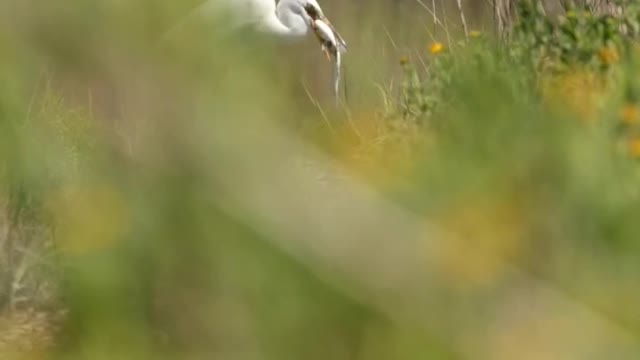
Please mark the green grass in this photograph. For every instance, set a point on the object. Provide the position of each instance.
(178, 199)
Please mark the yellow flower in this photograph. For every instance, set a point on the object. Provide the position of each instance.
(608, 55)
(89, 217)
(475, 33)
(579, 93)
(633, 146)
(630, 114)
(481, 235)
(436, 48)
(404, 60)
(374, 152)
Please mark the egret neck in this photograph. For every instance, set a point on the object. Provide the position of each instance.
(285, 25)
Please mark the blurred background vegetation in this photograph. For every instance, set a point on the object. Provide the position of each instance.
(475, 197)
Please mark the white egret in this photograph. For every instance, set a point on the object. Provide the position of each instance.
(288, 19)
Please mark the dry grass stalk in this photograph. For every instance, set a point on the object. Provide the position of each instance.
(463, 20)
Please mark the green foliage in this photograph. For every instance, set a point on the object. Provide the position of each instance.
(150, 190)
(576, 38)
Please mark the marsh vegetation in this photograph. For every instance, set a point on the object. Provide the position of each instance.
(476, 195)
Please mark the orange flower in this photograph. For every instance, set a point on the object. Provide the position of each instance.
(630, 114)
(608, 55)
(436, 48)
(633, 146)
(579, 93)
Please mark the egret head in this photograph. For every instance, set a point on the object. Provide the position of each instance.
(308, 10)
(302, 15)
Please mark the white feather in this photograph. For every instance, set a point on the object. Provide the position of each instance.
(288, 19)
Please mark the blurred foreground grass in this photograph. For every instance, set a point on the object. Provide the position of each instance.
(188, 200)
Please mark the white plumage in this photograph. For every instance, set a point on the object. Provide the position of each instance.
(288, 19)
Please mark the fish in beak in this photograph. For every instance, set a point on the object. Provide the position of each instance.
(333, 45)
(330, 40)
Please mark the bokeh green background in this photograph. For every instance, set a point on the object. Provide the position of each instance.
(180, 199)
